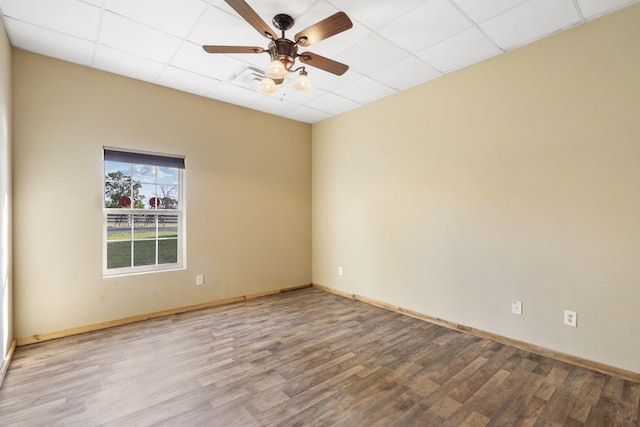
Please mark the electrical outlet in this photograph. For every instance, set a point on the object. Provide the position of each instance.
(340, 271)
(516, 307)
(570, 318)
(200, 279)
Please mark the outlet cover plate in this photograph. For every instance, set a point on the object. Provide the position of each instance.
(570, 318)
(516, 307)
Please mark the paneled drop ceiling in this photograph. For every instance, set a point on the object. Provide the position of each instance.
(392, 46)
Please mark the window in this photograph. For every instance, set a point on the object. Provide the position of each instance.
(143, 217)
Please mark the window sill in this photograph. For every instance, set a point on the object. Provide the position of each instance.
(128, 272)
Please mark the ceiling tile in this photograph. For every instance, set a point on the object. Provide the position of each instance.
(187, 81)
(482, 10)
(306, 115)
(267, 9)
(273, 104)
(298, 97)
(405, 73)
(192, 57)
(427, 25)
(531, 21)
(371, 54)
(222, 5)
(315, 13)
(365, 90)
(340, 42)
(227, 30)
(129, 36)
(172, 16)
(593, 8)
(70, 17)
(234, 95)
(260, 61)
(337, 43)
(330, 82)
(333, 104)
(49, 43)
(376, 15)
(126, 64)
(460, 50)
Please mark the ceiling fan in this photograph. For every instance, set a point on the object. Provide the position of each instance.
(284, 51)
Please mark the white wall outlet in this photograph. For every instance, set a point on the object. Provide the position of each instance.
(200, 279)
(516, 307)
(570, 318)
(340, 271)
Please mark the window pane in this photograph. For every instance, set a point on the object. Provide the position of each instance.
(144, 252)
(118, 227)
(112, 167)
(144, 173)
(167, 225)
(167, 175)
(118, 254)
(168, 195)
(117, 190)
(168, 251)
(147, 193)
(144, 226)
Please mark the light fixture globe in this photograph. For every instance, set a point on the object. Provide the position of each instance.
(267, 85)
(302, 83)
(276, 70)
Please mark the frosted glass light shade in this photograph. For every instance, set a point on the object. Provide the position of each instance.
(276, 70)
(267, 85)
(302, 83)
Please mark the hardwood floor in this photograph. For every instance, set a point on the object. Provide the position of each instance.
(306, 357)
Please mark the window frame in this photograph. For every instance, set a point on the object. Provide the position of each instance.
(149, 159)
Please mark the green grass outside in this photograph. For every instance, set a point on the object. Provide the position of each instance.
(119, 253)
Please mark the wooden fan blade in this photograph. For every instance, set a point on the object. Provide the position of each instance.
(326, 28)
(251, 17)
(323, 63)
(233, 49)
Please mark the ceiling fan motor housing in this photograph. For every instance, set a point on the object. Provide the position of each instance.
(283, 50)
(282, 21)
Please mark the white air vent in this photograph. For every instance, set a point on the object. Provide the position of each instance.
(249, 77)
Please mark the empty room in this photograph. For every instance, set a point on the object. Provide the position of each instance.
(321, 212)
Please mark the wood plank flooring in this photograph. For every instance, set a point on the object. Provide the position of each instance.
(306, 357)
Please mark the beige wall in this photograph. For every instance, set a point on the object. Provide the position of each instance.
(514, 179)
(6, 328)
(247, 195)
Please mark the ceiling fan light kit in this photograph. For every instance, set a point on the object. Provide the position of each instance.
(267, 85)
(284, 52)
(302, 83)
(276, 70)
